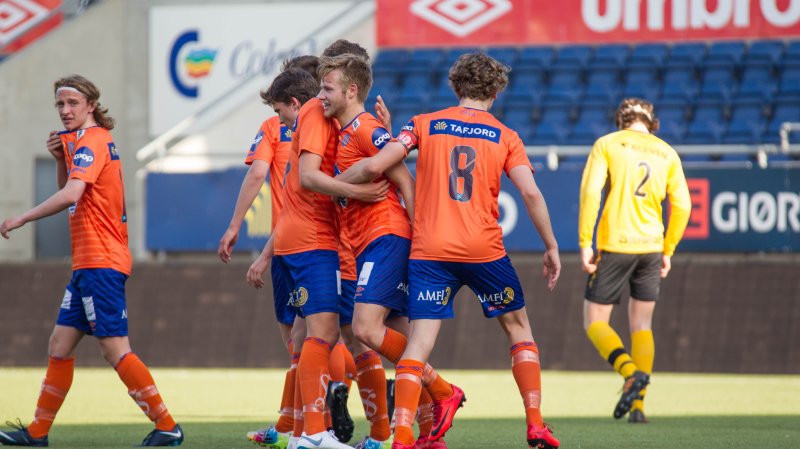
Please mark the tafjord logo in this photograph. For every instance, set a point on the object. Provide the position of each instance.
(196, 64)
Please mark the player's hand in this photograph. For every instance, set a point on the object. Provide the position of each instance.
(370, 192)
(256, 271)
(383, 114)
(666, 265)
(552, 268)
(9, 224)
(587, 260)
(54, 145)
(226, 244)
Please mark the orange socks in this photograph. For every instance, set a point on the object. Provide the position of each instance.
(393, 345)
(286, 420)
(337, 363)
(372, 387)
(142, 388)
(350, 370)
(408, 385)
(438, 388)
(527, 373)
(55, 387)
(425, 413)
(313, 375)
(299, 422)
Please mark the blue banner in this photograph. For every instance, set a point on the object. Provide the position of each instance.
(733, 210)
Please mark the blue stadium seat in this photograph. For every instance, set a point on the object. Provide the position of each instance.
(709, 112)
(563, 76)
(607, 77)
(561, 95)
(518, 118)
(601, 94)
(768, 50)
(671, 132)
(647, 91)
(442, 103)
(789, 87)
(761, 90)
(756, 73)
(422, 80)
(744, 132)
(401, 115)
(594, 114)
(412, 94)
(721, 51)
(723, 73)
(687, 54)
(390, 58)
(454, 54)
(678, 93)
(714, 90)
(648, 55)
(557, 114)
(609, 56)
(522, 95)
(703, 132)
(792, 54)
(535, 57)
(642, 75)
(748, 113)
(444, 93)
(679, 75)
(529, 76)
(506, 55)
(573, 56)
(585, 133)
(550, 133)
(671, 113)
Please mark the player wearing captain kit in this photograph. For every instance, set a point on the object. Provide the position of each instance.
(91, 186)
(641, 170)
(380, 232)
(456, 239)
(306, 244)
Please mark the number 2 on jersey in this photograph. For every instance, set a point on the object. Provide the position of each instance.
(638, 192)
(460, 172)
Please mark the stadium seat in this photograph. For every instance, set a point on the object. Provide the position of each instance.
(680, 75)
(609, 56)
(573, 56)
(753, 112)
(671, 113)
(792, 54)
(679, 94)
(647, 91)
(601, 94)
(687, 54)
(724, 73)
(762, 90)
(703, 132)
(585, 133)
(444, 93)
(756, 73)
(642, 75)
(522, 94)
(454, 54)
(528, 76)
(769, 52)
(607, 77)
(557, 114)
(710, 111)
(422, 80)
(790, 84)
(506, 55)
(412, 94)
(518, 118)
(566, 76)
(550, 133)
(722, 51)
(743, 132)
(561, 95)
(671, 132)
(593, 114)
(535, 57)
(401, 115)
(648, 55)
(715, 90)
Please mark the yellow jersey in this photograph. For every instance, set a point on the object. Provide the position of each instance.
(641, 170)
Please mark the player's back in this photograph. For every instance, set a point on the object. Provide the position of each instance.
(463, 153)
(98, 221)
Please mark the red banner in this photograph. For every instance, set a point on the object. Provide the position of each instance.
(24, 21)
(524, 22)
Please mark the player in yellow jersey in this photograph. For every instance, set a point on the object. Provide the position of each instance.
(632, 247)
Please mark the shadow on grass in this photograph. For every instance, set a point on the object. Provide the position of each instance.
(708, 432)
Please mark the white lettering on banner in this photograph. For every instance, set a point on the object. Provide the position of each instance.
(762, 212)
(508, 207)
(694, 14)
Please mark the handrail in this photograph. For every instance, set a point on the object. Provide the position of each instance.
(158, 146)
(786, 128)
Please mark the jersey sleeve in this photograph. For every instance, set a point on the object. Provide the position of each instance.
(263, 147)
(316, 130)
(90, 158)
(372, 138)
(594, 178)
(680, 206)
(409, 135)
(516, 154)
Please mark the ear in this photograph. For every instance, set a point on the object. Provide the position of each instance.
(92, 106)
(352, 90)
(296, 103)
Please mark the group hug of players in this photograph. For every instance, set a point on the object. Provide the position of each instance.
(365, 260)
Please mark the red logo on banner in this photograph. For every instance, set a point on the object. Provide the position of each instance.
(22, 21)
(699, 191)
(460, 17)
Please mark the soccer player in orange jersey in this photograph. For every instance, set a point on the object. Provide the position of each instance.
(456, 239)
(90, 179)
(633, 247)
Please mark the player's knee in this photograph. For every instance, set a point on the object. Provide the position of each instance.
(365, 332)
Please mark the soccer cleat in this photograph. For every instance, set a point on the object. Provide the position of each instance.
(173, 437)
(20, 436)
(292, 442)
(424, 443)
(542, 437)
(371, 443)
(637, 417)
(630, 391)
(336, 398)
(399, 445)
(390, 396)
(270, 437)
(443, 413)
(322, 440)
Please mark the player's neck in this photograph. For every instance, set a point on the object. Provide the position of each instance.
(471, 103)
(350, 113)
(638, 126)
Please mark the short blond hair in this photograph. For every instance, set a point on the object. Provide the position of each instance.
(355, 70)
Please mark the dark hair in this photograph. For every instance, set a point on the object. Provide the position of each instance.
(478, 76)
(636, 110)
(343, 46)
(309, 63)
(354, 69)
(293, 83)
(92, 94)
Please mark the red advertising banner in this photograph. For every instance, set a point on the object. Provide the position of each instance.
(24, 21)
(413, 23)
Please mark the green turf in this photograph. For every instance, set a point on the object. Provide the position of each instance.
(216, 407)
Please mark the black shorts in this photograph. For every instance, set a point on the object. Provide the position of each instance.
(641, 271)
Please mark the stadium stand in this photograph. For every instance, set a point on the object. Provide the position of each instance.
(719, 93)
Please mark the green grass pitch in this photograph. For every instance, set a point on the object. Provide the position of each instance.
(217, 406)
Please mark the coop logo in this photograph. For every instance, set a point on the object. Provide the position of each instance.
(196, 64)
(380, 137)
(83, 157)
(460, 17)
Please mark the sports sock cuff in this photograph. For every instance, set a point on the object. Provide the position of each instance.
(410, 366)
(393, 345)
(524, 346)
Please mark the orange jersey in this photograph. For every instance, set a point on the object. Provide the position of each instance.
(347, 259)
(364, 222)
(462, 154)
(272, 145)
(308, 221)
(98, 222)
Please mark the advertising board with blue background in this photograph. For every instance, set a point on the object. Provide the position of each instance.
(746, 210)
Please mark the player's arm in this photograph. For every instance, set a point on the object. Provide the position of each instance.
(369, 168)
(522, 177)
(312, 178)
(70, 194)
(251, 185)
(256, 271)
(401, 177)
(680, 209)
(594, 179)
(56, 149)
